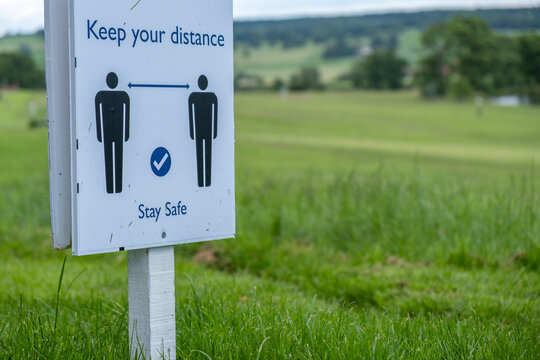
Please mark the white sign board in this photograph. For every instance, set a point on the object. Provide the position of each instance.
(152, 123)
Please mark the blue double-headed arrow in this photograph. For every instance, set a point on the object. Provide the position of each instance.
(158, 86)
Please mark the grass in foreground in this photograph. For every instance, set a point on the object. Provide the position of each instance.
(248, 318)
(344, 249)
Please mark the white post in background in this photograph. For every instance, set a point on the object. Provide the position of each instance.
(152, 328)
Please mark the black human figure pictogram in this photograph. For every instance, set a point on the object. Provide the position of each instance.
(112, 119)
(203, 118)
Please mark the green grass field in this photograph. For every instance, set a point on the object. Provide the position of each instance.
(370, 226)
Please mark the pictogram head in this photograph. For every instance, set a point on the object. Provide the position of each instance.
(203, 82)
(112, 80)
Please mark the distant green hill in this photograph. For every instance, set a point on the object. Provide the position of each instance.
(30, 44)
(297, 31)
(275, 49)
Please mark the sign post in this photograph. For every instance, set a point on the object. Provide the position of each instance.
(141, 98)
(152, 303)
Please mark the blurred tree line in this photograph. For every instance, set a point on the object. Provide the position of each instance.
(464, 56)
(297, 32)
(19, 69)
(382, 70)
(461, 57)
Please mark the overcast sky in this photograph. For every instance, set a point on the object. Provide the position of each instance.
(27, 15)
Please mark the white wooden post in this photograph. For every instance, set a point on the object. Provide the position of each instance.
(152, 328)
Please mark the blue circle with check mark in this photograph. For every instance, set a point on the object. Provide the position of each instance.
(160, 162)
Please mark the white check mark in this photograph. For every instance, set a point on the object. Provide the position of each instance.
(160, 164)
